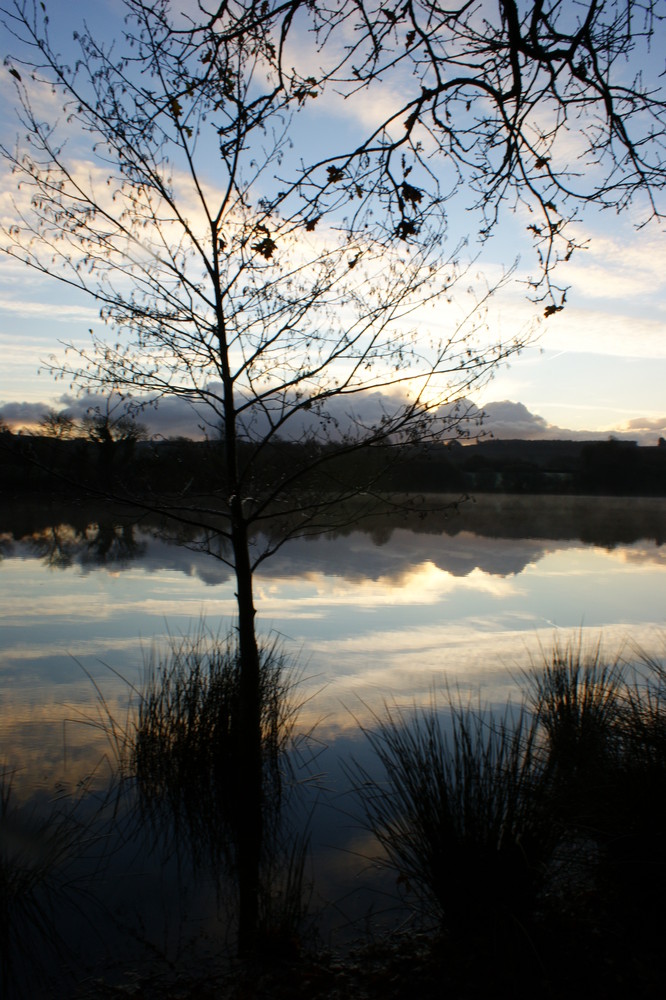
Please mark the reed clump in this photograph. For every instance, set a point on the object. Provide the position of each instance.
(458, 812)
(535, 831)
(183, 759)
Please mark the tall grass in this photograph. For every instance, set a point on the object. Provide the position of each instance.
(576, 696)
(633, 869)
(604, 728)
(183, 759)
(458, 813)
(644, 730)
(173, 786)
(540, 833)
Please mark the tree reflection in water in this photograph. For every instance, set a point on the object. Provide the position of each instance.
(99, 544)
(183, 756)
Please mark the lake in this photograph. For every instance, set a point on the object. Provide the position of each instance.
(390, 612)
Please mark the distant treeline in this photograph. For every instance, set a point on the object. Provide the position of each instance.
(611, 467)
(36, 463)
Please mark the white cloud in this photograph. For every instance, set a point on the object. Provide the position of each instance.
(628, 267)
(65, 313)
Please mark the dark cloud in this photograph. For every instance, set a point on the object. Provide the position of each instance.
(175, 417)
(18, 415)
(513, 420)
(506, 419)
(171, 417)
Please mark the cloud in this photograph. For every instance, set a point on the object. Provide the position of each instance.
(54, 313)
(20, 415)
(622, 266)
(507, 419)
(643, 428)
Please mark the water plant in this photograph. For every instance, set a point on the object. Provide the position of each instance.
(644, 718)
(633, 860)
(534, 833)
(576, 696)
(183, 759)
(458, 812)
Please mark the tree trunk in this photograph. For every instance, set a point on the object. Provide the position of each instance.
(250, 818)
(250, 777)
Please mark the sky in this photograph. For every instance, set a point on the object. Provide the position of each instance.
(596, 369)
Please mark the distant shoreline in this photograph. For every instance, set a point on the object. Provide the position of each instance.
(604, 521)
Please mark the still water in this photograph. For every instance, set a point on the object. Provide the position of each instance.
(388, 612)
(382, 613)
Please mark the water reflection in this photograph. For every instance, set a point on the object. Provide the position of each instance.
(499, 535)
(388, 611)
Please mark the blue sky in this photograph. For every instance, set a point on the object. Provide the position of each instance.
(596, 368)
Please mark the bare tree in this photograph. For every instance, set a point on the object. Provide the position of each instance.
(110, 425)
(539, 108)
(282, 292)
(115, 433)
(58, 424)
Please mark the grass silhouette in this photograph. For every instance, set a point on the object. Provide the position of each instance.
(183, 760)
(536, 833)
(529, 843)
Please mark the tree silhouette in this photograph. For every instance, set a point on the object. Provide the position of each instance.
(282, 291)
(58, 424)
(115, 434)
